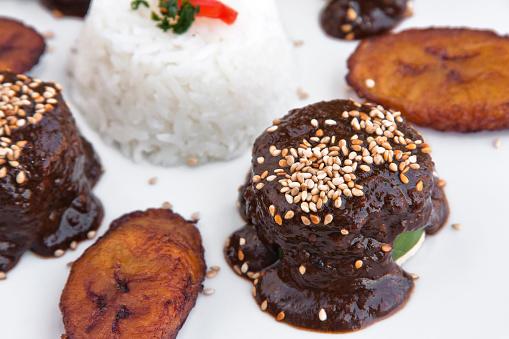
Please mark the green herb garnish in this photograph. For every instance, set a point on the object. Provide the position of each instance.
(405, 242)
(172, 16)
(136, 3)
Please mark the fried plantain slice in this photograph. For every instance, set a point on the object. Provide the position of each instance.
(451, 79)
(20, 46)
(140, 280)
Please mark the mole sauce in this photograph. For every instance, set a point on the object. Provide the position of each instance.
(47, 173)
(77, 8)
(323, 265)
(357, 19)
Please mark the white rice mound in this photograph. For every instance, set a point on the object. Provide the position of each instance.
(202, 95)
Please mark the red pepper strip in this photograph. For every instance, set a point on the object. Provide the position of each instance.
(214, 9)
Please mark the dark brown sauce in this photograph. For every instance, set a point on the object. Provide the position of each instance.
(307, 274)
(357, 19)
(77, 8)
(54, 206)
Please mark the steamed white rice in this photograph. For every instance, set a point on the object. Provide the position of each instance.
(203, 95)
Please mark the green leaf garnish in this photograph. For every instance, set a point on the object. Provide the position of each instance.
(186, 17)
(154, 16)
(172, 17)
(136, 3)
(405, 242)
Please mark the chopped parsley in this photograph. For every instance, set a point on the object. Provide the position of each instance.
(136, 3)
(172, 16)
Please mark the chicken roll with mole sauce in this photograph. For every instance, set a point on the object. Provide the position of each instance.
(332, 186)
(47, 172)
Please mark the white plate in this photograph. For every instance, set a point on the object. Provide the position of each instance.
(462, 291)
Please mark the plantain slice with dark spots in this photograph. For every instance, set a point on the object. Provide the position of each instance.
(451, 79)
(140, 280)
(20, 46)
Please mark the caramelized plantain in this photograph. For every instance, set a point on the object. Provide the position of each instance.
(451, 79)
(20, 46)
(140, 280)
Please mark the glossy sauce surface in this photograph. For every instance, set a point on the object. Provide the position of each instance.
(77, 8)
(324, 267)
(347, 19)
(53, 206)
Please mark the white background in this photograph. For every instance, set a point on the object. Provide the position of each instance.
(463, 288)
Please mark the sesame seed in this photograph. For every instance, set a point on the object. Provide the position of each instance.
(344, 231)
(315, 219)
(3, 275)
(358, 264)
(346, 28)
(260, 185)
(419, 186)
(254, 291)
(404, 178)
(328, 219)
(91, 234)
(211, 274)
(497, 143)
(272, 210)
(167, 205)
(289, 215)
(457, 226)
(236, 268)
(301, 94)
(209, 291)
(350, 36)
(386, 248)
(337, 202)
(302, 269)
(426, 150)
(244, 268)
(242, 241)
(73, 245)
(318, 172)
(263, 306)
(322, 315)
(192, 161)
(357, 192)
(59, 253)
(215, 268)
(305, 220)
(272, 128)
(278, 219)
(441, 183)
(414, 276)
(260, 160)
(351, 14)
(280, 316)
(298, 43)
(240, 254)
(152, 181)
(370, 83)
